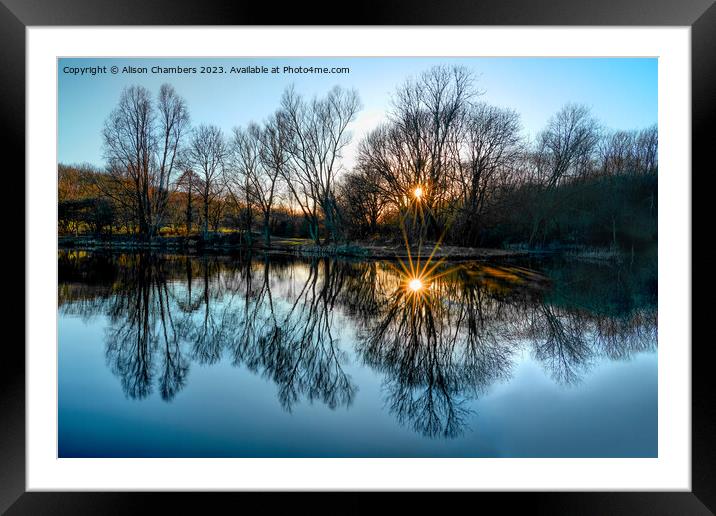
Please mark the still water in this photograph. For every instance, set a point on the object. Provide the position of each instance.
(256, 356)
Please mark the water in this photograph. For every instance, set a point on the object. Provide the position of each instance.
(217, 356)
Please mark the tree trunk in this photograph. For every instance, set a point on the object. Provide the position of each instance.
(188, 212)
(313, 231)
(267, 229)
(206, 218)
(535, 227)
(247, 229)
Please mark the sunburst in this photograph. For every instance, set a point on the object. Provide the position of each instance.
(419, 275)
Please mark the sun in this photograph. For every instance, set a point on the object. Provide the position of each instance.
(415, 284)
(418, 192)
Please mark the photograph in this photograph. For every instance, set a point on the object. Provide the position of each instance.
(351, 257)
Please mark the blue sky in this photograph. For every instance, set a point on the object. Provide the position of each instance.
(622, 92)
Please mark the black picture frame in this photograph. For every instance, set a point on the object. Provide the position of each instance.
(17, 15)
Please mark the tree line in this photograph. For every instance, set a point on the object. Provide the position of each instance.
(464, 165)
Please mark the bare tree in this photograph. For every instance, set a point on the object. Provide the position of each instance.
(362, 201)
(488, 146)
(317, 134)
(189, 182)
(647, 142)
(141, 144)
(565, 150)
(629, 152)
(413, 149)
(242, 176)
(173, 123)
(567, 144)
(441, 163)
(207, 153)
(274, 157)
(617, 152)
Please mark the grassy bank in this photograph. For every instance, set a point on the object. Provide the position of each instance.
(292, 246)
(235, 242)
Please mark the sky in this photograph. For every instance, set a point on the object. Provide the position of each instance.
(621, 92)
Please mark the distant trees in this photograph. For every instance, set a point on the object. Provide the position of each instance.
(629, 152)
(360, 195)
(74, 182)
(96, 213)
(141, 144)
(80, 201)
(566, 145)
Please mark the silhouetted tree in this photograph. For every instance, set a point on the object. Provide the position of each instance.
(317, 132)
(207, 152)
(141, 144)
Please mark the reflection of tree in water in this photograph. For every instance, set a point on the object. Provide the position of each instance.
(294, 345)
(363, 298)
(207, 333)
(447, 343)
(223, 307)
(560, 343)
(434, 357)
(589, 315)
(142, 330)
(437, 350)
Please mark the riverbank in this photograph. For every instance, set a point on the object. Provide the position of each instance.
(232, 242)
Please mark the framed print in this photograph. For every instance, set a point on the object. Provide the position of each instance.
(445, 249)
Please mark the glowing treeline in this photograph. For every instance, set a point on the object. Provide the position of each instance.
(467, 163)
